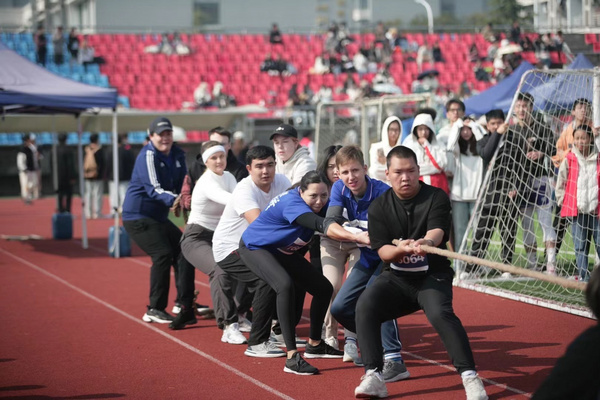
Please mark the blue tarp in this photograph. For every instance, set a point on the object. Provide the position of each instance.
(37, 90)
(501, 95)
(562, 91)
(496, 96)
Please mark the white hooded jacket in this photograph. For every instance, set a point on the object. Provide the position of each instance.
(439, 154)
(376, 169)
(467, 169)
(299, 164)
(587, 182)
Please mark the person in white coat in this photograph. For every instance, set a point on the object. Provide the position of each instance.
(431, 157)
(391, 132)
(577, 192)
(466, 167)
(293, 160)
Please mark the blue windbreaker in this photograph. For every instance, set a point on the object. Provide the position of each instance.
(155, 184)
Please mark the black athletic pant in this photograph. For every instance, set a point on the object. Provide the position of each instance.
(263, 301)
(160, 240)
(288, 275)
(498, 208)
(393, 295)
(65, 193)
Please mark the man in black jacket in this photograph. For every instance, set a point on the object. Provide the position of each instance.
(67, 173)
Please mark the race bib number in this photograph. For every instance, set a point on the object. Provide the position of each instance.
(411, 263)
(291, 248)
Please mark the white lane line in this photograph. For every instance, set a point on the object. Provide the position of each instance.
(149, 326)
(140, 262)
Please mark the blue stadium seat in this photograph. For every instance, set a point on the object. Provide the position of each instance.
(93, 69)
(105, 138)
(15, 139)
(4, 137)
(90, 79)
(124, 101)
(72, 138)
(102, 81)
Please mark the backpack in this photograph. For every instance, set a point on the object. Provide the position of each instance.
(90, 167)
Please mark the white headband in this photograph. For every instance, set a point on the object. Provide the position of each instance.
(210, 151)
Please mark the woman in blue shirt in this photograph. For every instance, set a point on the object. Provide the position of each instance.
(270, 248)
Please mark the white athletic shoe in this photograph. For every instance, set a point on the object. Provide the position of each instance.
(351, 353)
(371, 386)
(245, 324)
(264, 350)
(474, 388)
(232, 334)
(333, 342)
(277, 340)
(506, 275)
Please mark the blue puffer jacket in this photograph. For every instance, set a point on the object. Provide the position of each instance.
(155, 184)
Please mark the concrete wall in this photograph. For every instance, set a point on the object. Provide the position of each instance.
(143, 15)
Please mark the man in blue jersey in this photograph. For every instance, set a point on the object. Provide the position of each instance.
(354, 192)
(155, 185)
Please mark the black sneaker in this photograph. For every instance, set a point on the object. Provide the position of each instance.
(184, 318)
(160, 316)
(297, 365)
(322, 350)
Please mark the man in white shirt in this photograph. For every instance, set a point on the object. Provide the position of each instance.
(249, 198)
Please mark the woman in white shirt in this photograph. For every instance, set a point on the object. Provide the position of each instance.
(466, 167)
(209, 197)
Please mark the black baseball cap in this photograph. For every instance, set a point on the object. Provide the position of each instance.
(159, 125)
(285, 130)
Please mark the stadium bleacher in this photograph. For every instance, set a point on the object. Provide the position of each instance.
(161, 82)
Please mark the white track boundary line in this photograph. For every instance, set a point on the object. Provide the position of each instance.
(152, 328)
(140, 262)
(413, 355)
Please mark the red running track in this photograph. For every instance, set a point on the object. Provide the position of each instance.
(72, 329)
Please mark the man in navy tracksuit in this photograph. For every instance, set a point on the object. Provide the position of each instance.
(155, 185)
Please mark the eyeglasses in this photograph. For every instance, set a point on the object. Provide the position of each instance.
(454, 109)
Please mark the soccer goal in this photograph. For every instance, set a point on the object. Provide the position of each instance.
(360, 122)
(526, 215)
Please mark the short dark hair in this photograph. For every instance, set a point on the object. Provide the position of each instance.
(94, 138)
(349, 153)
(526, 97)
(62, 138)
(221, 131)
(581, 100)
(312, 177)
(587, 129)
(496, 113)
(426, 110)
(455, 101)
(259, 152)
(401, 152)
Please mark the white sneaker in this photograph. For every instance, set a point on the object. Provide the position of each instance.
(333, 342)
(351, 353)
(264, 350)
(371, 386)
(277, 340)
(506, 275)
(551, 269)
(244, 323)
(232, 334)
(474, 388)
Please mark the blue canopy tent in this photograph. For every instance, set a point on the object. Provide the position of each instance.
(500, 95)
(26, 87)
(557, 90)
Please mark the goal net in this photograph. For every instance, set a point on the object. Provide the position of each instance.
(360, 122)
(527, 214)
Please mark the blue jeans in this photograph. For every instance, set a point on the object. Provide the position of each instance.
(343, 307)
(585, 226)
(461, 213)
